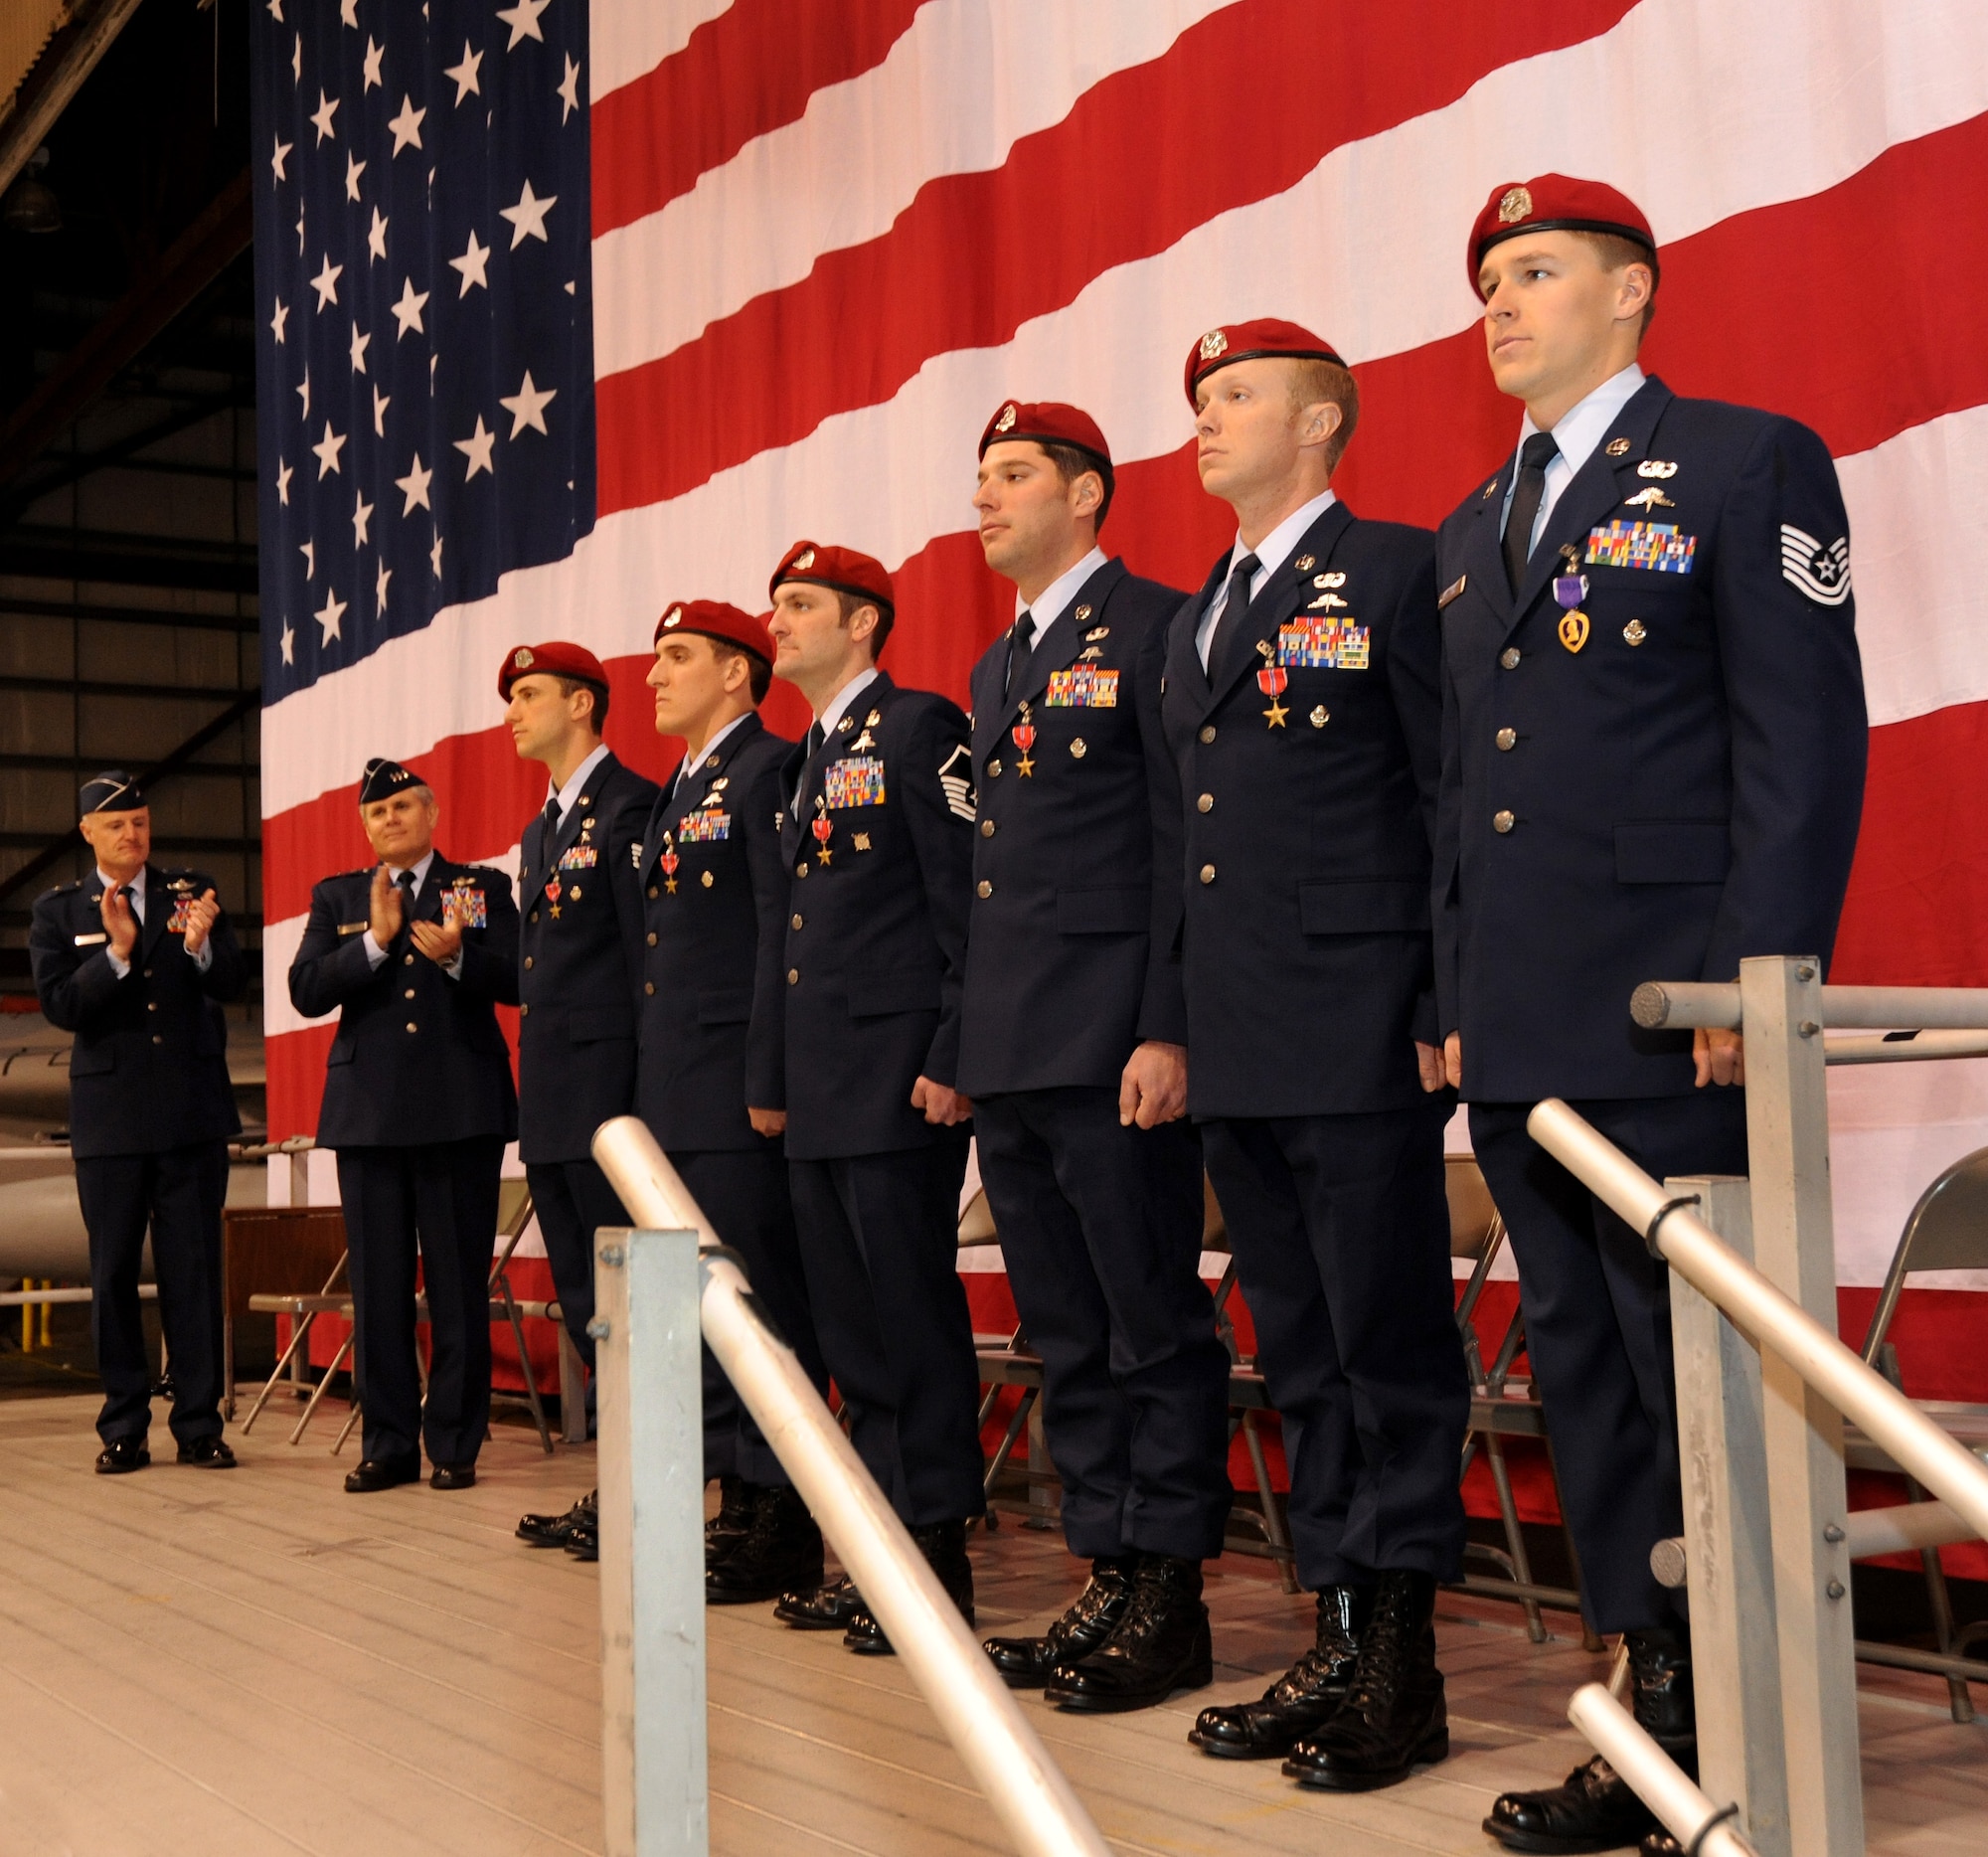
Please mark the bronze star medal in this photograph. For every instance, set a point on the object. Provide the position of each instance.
(1024, 733)
(1271, 680)
(822, 827)
(669, 861)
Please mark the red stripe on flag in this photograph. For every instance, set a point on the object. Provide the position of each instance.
(968, 262)
(750, 71)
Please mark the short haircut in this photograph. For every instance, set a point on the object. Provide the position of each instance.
(421, 789)
(852, 604)
(1314, 379)
(759, 673)
(1071, 461)
(568, 685)
(1615, 251)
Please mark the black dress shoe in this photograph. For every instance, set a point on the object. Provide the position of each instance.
(453, 1476)
(828, 1607)
(382, 1474)
(1596, 1808)
(1393, 1716)
(943, 1544)
(582, 1541)
(551, 1531)
(1025, 1663)
(738, 1501)
(1303, 1699)
(1160, 1645)
(780, 1552)
(207, 1453)
(120, 1456)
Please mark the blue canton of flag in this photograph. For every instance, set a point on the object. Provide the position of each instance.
(426, 358)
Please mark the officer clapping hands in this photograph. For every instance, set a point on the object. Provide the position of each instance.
(442, 942)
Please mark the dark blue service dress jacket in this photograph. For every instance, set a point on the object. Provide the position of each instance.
(148, 1069)
(1663, 785)
(417, 1057)
(581, 965)
(1072, 955)
(1308, 758)
(878, 833)
(714, 882)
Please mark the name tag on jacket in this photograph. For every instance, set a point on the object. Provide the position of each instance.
(858, 781)
(93, 941)
(1082, 686)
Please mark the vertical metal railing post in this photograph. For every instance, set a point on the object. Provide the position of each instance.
(1794, 1246)
(649, 1399)
(1722, 1451)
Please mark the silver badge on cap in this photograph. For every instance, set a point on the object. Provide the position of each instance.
(1215, 342)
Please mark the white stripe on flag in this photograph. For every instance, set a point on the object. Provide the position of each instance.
(628, 38)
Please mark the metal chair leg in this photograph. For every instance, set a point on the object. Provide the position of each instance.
(299, 1330)
(1273, 1522)
(1515, 1539)
(999, 1461)
(525, 1362)
(318, 1392)
(345, 1430)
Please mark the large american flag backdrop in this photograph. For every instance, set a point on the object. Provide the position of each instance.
(599, 307)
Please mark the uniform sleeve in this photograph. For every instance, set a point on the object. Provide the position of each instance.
(226, 975)
(766, 865)
(1795, 693)
(329, 970)
(490, 955)
(74, 984)
(1163, 1002)
(939, 813)
(1415, 682)
(1445, 850)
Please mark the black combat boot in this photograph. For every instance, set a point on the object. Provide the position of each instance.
(737, 1501)
(1393, 1717)
(828, 1607)
(1300, 1701)
(1160, 1645)
(552, 1531)
(779, 1552)
(1596, 1809)
(943, 1544)
(1025, 1663)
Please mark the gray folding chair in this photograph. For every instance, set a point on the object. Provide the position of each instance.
(1946, 1231)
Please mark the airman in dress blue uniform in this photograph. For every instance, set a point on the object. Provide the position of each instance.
(135, 961)
(878, 831)
(1073, 1048)
(1654, 742)
(414, 953)
(1301, 703)
(714, 883)
(580, 976)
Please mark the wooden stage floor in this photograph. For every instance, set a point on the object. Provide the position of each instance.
(255, 1662)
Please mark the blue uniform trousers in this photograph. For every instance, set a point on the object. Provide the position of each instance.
(572, 1200)
(178, 1192)
(442, 1199)
(1340, 1227)
(1100, 1230)
(1597, 1310)
(745, 1195)
(880, 1242)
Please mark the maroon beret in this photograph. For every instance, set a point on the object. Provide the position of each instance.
(1553, 203)
(715, 619)
(1252, 341)
(1047, 423)
(859, 575)
(556, 659)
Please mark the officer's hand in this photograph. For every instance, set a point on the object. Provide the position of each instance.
(769, 1121)
(442, 942)
(1720, 1056)
(200, 914)
(119, 924)
(1433, 1066)
(385, 908)
(1452, 1060)
(943, 1106)
(1153, 1086)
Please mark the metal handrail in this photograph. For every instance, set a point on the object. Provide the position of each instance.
(1693, 1820)
(1657, 1004)
(1754, 1304)
(978, 1714)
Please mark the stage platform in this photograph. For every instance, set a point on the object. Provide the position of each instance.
(200, 1665)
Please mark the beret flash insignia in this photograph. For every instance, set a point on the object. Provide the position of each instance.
(1515, 206)
(675, 617)
(805, 561)
(522, 659)
(1006, 422)
(1215, 342)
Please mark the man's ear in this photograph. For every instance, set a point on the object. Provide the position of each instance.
(863, 623)
(1319, 421)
